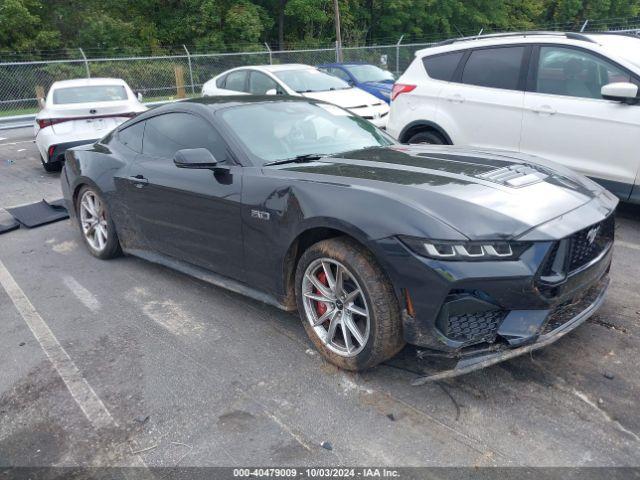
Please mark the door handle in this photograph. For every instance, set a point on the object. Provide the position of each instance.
(139, 180)
(544, 110)
(456, 98)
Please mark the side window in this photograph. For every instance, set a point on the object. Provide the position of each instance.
(259, 84)
(442, 67)
(494, 67)
(220, 81)
(575, 73)
(236, 81)
(165, 134)
(132, 136)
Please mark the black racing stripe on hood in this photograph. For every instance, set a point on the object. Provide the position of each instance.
(401, 177)
(461, 165)
(492, 160)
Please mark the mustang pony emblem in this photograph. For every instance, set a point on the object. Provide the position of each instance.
(591, 234)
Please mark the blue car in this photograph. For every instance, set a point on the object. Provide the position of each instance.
(365, 76)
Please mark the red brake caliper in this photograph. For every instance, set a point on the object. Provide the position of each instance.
(321, 308)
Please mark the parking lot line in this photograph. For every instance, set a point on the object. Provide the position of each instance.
(87, 298)
(80, 390)
(15, 143)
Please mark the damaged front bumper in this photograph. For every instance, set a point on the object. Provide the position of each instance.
(556, 327)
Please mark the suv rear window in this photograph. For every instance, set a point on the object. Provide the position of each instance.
(442, 67)
(494, 67)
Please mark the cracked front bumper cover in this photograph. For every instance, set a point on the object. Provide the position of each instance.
(483, 360)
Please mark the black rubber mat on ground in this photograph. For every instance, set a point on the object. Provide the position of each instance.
(7, 223)
(40, 213)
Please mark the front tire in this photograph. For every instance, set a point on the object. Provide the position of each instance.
(429, 137)
(96, 226)
(347, 305)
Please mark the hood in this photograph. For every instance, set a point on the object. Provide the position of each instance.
(481, 194)
(346, 98)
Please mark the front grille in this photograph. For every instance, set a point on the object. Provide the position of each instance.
(476, 326)
(568, 310)
(577, 250)
(590, 242)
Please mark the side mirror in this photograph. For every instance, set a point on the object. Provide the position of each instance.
(195, 158)
(271, 91)
(139, 96)
(621, 92)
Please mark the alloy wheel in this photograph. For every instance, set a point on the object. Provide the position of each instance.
(93, 218)
(336, 307)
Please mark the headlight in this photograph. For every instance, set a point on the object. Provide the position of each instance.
(467, 251)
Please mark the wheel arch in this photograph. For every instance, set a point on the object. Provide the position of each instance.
(82, 182)
(423, 126)
(313, 234)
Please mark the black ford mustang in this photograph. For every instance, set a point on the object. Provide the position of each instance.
(300, 204)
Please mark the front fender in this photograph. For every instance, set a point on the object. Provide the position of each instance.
(278, 209)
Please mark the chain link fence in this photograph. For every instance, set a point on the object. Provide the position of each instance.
(164, 78)
(168, 77)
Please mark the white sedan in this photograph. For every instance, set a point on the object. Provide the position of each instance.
(298, 80)
(78, 112)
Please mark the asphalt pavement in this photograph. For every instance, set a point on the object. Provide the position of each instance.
(124, 362)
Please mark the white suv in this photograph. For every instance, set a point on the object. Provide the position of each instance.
(569, 97)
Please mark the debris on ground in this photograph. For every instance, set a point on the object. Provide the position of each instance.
(142, 419)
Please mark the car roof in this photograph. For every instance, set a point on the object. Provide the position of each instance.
(343, 64)
(86, 82)
(509, 38)
(220, 102)
(280, 67)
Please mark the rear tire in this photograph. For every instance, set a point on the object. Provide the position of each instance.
(51, 167)
(96, 226)
(366, 290)
(429, 137)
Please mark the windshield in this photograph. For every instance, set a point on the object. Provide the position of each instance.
(96, 93)
(310, 80)
(273, 131)
(369, 73)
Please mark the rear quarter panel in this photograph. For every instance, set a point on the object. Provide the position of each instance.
(420, 104)
(104, 168)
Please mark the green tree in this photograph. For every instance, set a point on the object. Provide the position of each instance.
(21, 27)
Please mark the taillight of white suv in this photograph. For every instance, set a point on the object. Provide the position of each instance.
(399, 88)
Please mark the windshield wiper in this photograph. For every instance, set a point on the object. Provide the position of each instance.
(307, 157)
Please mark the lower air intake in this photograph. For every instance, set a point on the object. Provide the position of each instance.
(474, 327)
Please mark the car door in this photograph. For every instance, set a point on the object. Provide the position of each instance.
(567, 120)
(189, 214)
(483, 104)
